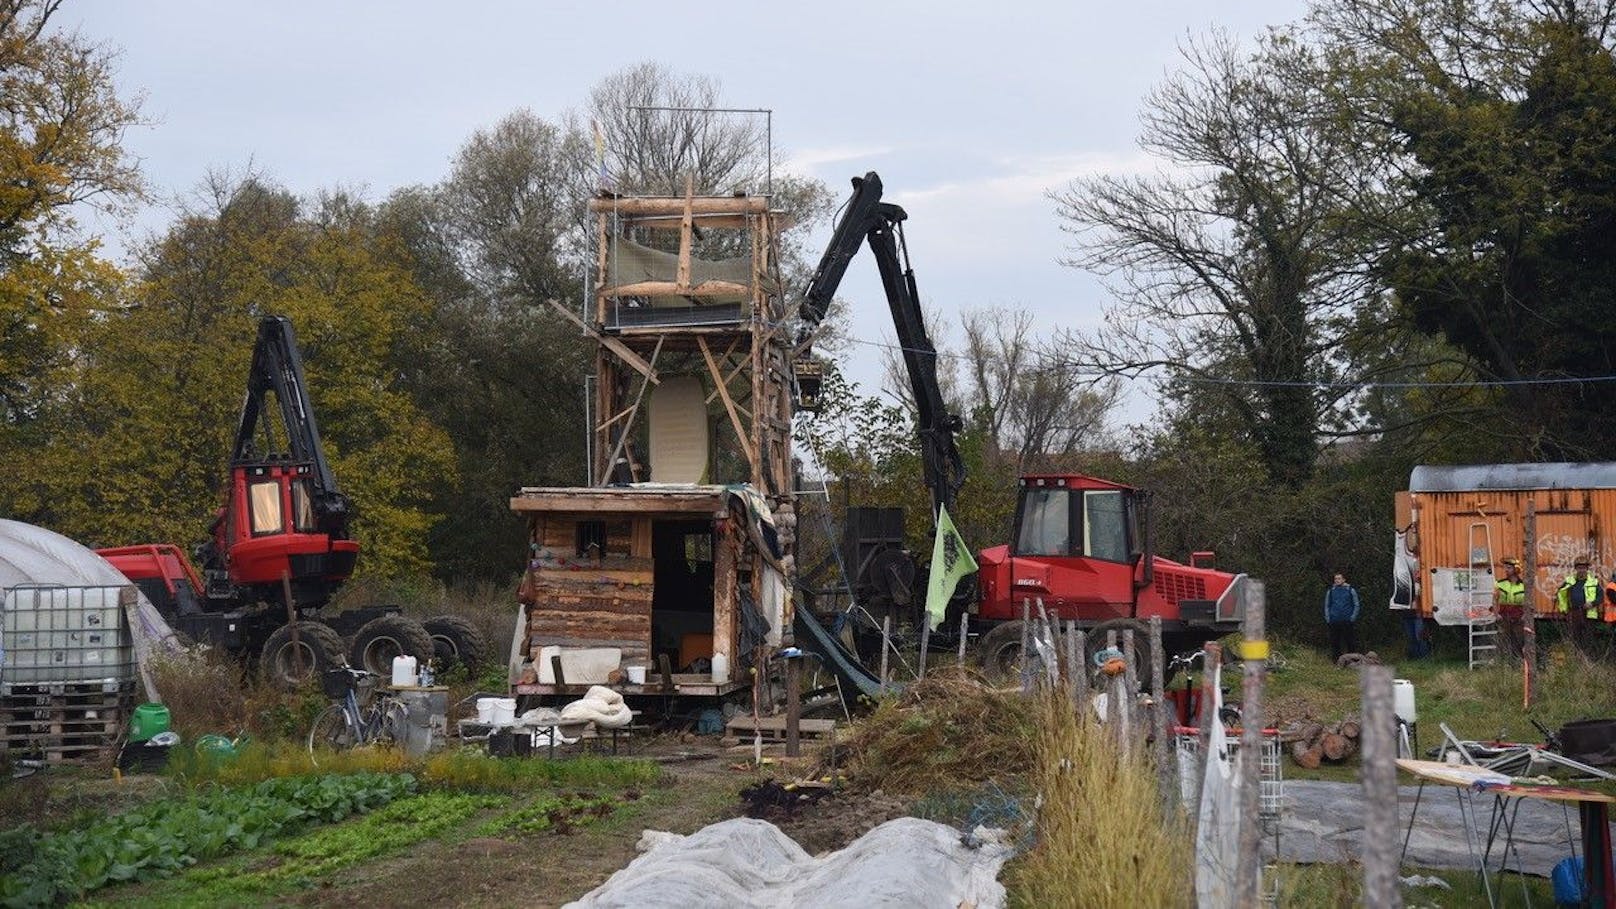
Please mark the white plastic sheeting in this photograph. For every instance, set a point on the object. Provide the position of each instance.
(31, 555)
(1217, 839)
(750, 864)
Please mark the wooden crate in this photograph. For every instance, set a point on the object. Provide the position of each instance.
(69, 721)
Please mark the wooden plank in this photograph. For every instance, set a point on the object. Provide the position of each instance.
(640, 547)
(747, 723)
(675, 206)
(583, 500)
(628, 423)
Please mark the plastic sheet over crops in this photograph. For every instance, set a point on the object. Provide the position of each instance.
(750, 863)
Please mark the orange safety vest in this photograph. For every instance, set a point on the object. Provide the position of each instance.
(1610, 602)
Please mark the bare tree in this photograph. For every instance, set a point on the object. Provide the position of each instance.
(1239, 267)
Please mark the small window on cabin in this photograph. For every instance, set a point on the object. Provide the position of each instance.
(264, 499)
(592, 539)
(302, 507)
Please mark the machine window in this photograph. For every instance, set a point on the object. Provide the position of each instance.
(302, 507)
(1105, 526)
(265, 499)
(1046, 523)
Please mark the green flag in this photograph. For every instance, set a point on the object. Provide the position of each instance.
(950, 561)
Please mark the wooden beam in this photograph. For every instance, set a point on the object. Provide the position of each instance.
(612, 344)
(724, 593)
(675, 289)
(682, 276)
(674, 206)
(622, 438)
(729, 404)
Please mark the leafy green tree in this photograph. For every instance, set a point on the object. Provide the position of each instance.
(1504, 115)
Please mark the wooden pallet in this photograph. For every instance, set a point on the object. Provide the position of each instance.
(61, 722)
(773, 728)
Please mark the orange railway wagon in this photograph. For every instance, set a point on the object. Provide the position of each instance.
(1455, 525)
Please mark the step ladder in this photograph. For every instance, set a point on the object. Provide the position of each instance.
(1481, 620)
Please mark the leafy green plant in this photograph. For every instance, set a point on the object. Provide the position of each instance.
(163, 837)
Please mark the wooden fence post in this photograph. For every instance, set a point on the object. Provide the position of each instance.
(1160, 738)
(925, 642)
(1381, 845)
(1074, 661)
(1026, 645)
(1254, 650)
(1529, 613)
(965, 624)
(886, 645)
(1130, 683)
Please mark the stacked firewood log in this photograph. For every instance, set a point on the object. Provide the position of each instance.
(1312, 742)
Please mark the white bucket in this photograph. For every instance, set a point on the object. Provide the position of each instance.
(504, 711)
(403, 671)
(720, 668)
(1403, 700)
(485, 710)
(636, 675)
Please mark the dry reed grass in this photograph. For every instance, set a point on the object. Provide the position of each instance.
(1101, 838)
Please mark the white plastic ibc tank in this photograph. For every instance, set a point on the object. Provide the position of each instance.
(1403, 700)
(63, 634)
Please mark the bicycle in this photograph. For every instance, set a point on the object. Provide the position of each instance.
(360, 718)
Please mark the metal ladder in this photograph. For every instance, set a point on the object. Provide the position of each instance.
(1480, 619)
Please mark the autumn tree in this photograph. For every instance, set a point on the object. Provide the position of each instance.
(157, 395)
(62, 123)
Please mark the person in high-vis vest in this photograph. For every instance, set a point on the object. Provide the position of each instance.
(1578, 600)
(1509, 602)
(1610, 600)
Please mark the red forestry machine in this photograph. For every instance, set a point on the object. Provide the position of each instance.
(1080, 545)
(280, 545)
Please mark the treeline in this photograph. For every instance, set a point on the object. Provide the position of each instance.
(1381, 236)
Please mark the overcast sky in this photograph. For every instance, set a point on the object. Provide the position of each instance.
(971, 114)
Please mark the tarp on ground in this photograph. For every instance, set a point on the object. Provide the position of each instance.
(750, 864)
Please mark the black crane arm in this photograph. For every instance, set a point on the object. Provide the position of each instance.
(277, 365)
(866, 219)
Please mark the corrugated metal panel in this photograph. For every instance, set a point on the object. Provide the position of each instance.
(1593, 475)
(1570, 522)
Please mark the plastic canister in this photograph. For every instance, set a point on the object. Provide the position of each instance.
(485, 710)
(504, 713)
(1403, 700)
(636, 675)
(403, 671)
(720, 667)
(148, 720)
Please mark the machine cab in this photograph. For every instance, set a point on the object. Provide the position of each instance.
(270, 529)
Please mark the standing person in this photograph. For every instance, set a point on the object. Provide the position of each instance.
(1509, 602)
(1341, 608)
(1578, 600)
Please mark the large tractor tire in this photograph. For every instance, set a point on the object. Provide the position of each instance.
(318, 648)
(1141, 646)
(999, 651)
(380, 640)
(457, 642)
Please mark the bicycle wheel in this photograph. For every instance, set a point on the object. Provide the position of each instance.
(388, 718)
(331, 730)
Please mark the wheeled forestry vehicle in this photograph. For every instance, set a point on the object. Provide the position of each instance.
(280, 546)
(1081, 545)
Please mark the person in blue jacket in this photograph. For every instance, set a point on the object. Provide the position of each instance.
(1341, 608)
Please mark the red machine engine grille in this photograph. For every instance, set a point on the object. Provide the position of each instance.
(1174, 587)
